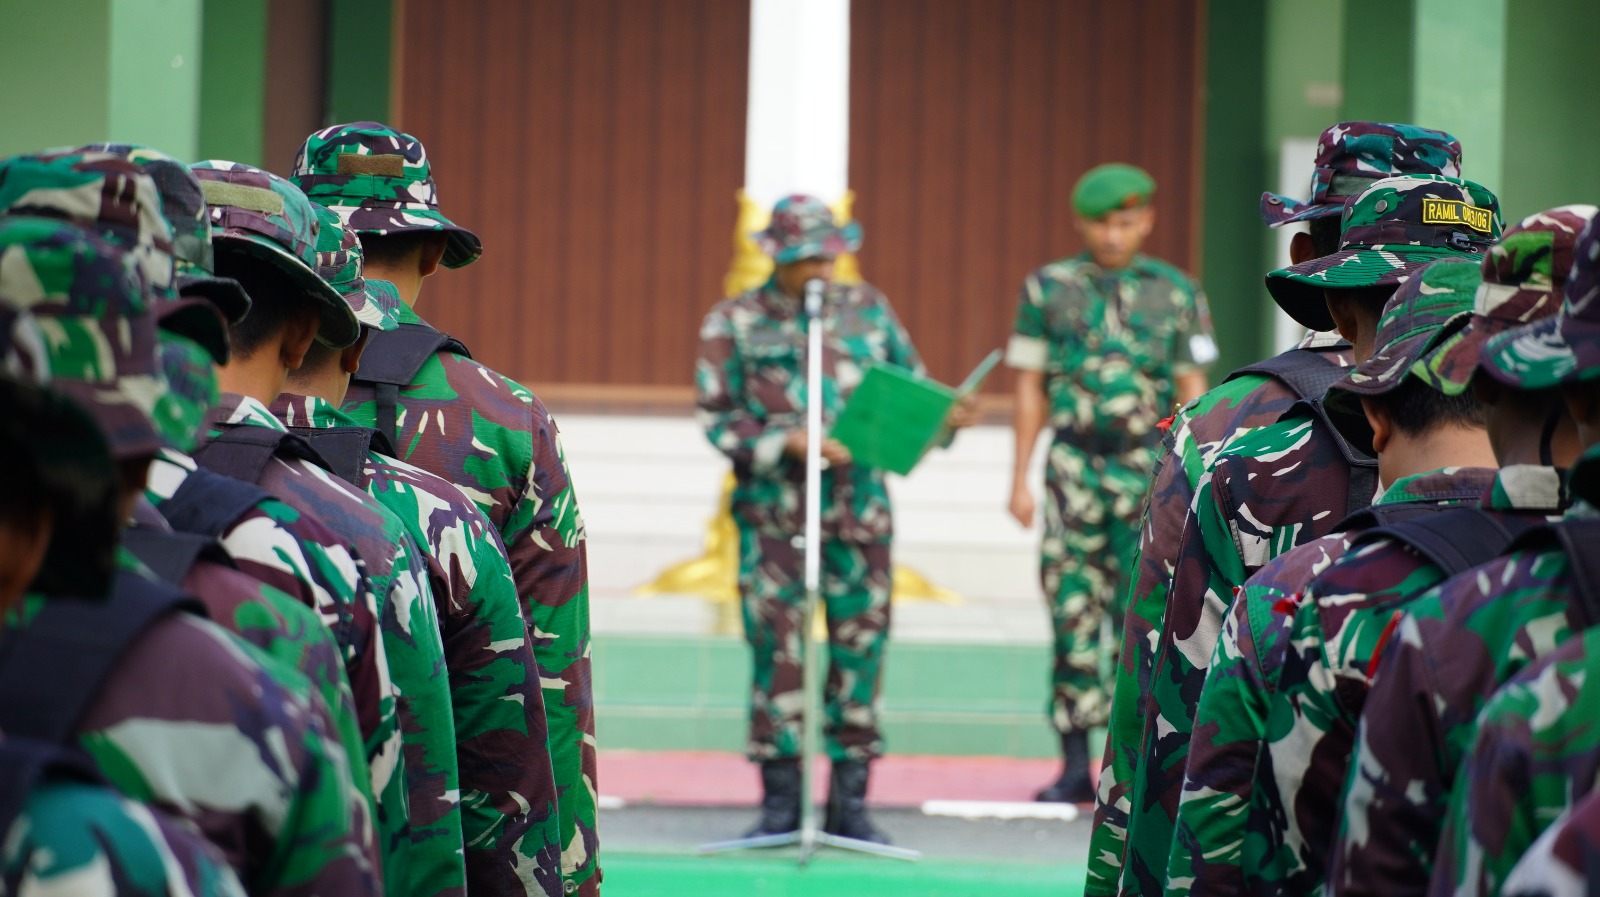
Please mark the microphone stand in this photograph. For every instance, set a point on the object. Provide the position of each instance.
(808, 836)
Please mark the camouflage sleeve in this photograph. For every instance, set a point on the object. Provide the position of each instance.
(433, 862)
(901, 352)
(1561, 863)
(1196, 347)
(720, 401)
(1029, 346)
(1164, 522)
(510, 824)
(1389, 827)
(546, 544)
(1231, 728)
(76, 838)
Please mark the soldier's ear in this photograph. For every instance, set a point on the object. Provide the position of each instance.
(432, 254)
(350, 356)
(1381, 421)
(1301, 248)
(294, 341)
(24, 541)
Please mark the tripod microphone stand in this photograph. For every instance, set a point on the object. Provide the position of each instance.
(808, 836)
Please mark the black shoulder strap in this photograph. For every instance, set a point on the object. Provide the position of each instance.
(346, 449)
(1455, 541)
(25, 762)
(207, 503)
(243, 452)
(393, 358)
(1362, 466)
(1389, 514)
(1308, 374)
(170, 554)
(51, 670)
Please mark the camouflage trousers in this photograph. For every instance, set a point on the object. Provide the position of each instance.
(1091, 542)
(856, 580)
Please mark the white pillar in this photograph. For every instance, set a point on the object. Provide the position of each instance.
(798, 129)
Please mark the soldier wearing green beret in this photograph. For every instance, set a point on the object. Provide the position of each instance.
(1105, 344)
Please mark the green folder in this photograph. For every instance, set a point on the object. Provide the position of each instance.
(895, 417)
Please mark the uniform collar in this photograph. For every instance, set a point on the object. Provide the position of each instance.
(236, 410)
(1526, 487)
(309, 411)
(1442, 485)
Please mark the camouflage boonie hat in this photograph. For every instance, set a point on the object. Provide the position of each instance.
(1394, 227)
(802, 227)
(1524, 278)
(101, 192)
(1560, 349)
(191, 387)
(83, 327)
(258, 214)
(1353, 154)
(339, 263)
(380, 182)
(184, 207)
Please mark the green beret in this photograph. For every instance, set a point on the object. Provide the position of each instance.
(1106, 188)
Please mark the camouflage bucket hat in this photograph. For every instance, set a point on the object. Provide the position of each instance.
(380, 182)
(191, 387)
(260, 215)
(802, 227)
(101, 192)
(339, 263)
(82, 327)
(1394, 227)
(1353, 154)
(1560, 349)
(183, 205)
(1524, 279)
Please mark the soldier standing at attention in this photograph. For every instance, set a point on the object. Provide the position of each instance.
(750, 382)
(482, 432)
(1105, 344)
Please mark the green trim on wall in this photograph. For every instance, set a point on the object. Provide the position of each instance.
(233, 89)
(1549, 129)
(67, 67)
(359, 33)
(154, 75)
(1234, 242)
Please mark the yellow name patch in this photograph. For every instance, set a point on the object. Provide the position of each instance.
(1454, 211)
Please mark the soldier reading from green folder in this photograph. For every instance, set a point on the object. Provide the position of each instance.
(1106, 343)
(751, 391)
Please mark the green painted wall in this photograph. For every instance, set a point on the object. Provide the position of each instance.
(68, 68)
(1551, 131)
(233, 89)
(359, 41)
(1235, 173)
(1459, 77)
(155, 75)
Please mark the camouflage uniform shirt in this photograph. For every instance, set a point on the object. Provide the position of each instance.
(1279, 710)
(1454, 647)
(750, 379)
(1562, 862)
(423, 842)
(495, 441)
(508, 798)
(1198, 432)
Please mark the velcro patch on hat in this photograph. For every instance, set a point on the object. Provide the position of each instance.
(1454, 211)
(253, 199)
(387, 165)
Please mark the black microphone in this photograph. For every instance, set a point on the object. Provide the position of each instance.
(814, 290)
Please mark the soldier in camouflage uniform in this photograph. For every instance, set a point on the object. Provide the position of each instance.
(191, 719)
(1350, 155)
(265, 231)
(482, 432)
(1459, 642)
(750, 383)
(1280, 703)
(1283, 484)
(1562, 862)
(508, 797)
(1104, 343)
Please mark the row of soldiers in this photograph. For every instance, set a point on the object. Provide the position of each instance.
(293, 592)
(1357, 652)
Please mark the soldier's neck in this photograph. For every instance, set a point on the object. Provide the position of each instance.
(407, 281)
(1450, 446)
(260, 376)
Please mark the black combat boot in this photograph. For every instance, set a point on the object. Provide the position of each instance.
(847, 804)
(1073, 787)
(780, 798)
